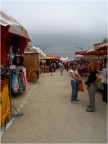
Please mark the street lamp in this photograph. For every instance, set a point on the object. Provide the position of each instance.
(79, 48)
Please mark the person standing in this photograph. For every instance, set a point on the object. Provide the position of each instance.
(105, 85)
(54, 66)
(91, 82)
(75, 78)
(67, 66)
(51, 68)
(61, 67)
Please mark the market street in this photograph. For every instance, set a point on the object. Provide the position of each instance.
(50, 117)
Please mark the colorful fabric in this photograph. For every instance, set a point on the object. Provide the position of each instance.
(25, 81)
(5, 105)
(15, 84)
(21, 84)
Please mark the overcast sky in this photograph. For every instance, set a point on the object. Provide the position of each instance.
(58, 27)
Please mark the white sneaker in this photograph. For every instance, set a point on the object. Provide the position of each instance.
(74, 102)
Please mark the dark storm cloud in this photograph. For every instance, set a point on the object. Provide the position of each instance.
(58, 27)
(65, 44)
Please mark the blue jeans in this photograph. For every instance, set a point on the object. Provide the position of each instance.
(74, 93)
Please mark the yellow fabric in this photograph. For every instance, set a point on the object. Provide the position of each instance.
(5, 105)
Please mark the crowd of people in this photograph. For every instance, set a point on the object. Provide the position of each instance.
(59, 65)
(92, 81)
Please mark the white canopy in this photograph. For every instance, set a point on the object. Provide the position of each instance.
(33, 49)
(15, 26)
(79, 56)
(88, 57)
(64, 59)
(39, 51)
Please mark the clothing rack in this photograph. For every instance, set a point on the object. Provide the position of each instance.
(16, 113)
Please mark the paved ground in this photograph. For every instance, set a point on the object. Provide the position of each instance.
(50, 117)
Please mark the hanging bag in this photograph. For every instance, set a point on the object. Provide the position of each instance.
(81, 87)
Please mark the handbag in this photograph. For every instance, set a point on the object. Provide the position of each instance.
(80, 87)
(78, 81)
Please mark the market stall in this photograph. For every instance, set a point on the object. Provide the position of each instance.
(103, 48)
(101, 51)
(80, 56)
(31, 63)
(14, 39)
(45, 62)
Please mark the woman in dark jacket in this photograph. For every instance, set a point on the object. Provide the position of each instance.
(93, 79)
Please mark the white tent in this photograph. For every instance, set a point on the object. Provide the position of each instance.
(64, 59)
(15, 26)
(39, 51)
(87, 57)
(33, 49)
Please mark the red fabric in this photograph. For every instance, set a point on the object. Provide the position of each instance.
(3, 55)
(8, 42)
(102, 47)
(4, 82)
(23, 45)
(80, 52)
(83, 70)
(4, 33)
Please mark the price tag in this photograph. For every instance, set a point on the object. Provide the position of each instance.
(12, 67)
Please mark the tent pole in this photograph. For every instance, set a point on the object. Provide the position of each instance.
(10, 94)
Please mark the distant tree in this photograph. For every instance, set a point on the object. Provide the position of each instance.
(96, 44)
(105, 40)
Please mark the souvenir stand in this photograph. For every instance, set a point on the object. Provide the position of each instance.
(101, 53)
(31, 63)
(47, 60)
(14, 39)
(103, 49)
(82, 67)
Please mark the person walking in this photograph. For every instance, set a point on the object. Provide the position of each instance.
(67, 66)
(54, 66)
(51, 68)
(75, 79)
(91, 82)
(61, 67)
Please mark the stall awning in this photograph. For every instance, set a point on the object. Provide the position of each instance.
(95, 52)
(64, 59)
(15, 26)
(80, 52)
(102, 47)
(31, 48)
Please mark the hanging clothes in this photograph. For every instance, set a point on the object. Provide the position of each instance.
(15, 43)
(25, 80)
(21, 83)
(15, 60)
(20, 60)
(15, 83)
